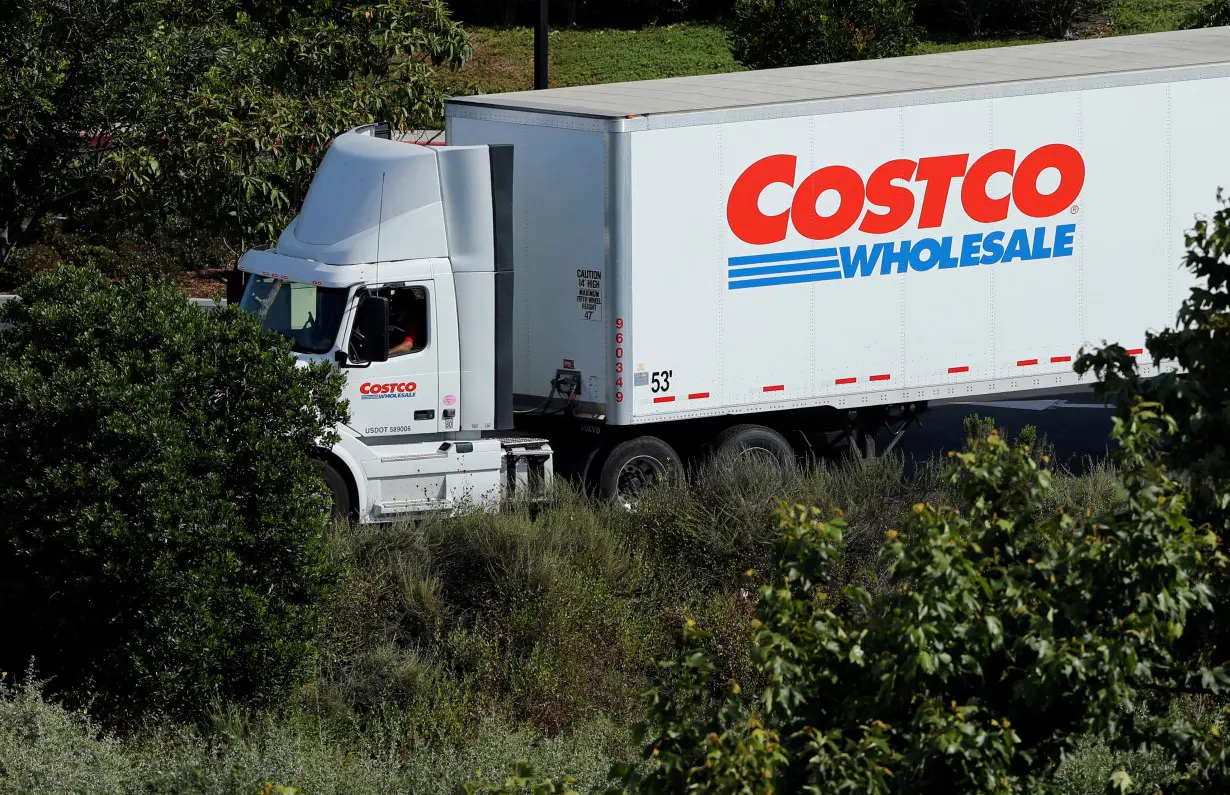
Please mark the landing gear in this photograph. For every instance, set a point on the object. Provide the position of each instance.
(865, 424)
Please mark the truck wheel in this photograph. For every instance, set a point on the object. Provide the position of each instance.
(632, 467)
(743, 442)
(339, 491)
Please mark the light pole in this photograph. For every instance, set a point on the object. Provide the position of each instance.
(540, 48)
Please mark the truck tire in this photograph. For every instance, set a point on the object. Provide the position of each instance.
(632, 467)
(753, 441)
(339, 491)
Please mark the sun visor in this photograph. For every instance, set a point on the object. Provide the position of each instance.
(372, 200)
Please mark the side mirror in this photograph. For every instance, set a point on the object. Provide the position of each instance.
(373, 324)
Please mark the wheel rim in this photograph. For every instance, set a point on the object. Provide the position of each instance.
(757, 453)
(638, 474)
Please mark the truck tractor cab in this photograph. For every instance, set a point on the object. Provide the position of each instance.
(398, 270)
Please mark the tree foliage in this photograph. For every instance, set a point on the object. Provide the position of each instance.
(589, 13)
(1197, 396)
(202, 114)
(968, 17)
(770, 33)
(1210, 14)
(162, 517)
(1000, 642)
(1057, 18)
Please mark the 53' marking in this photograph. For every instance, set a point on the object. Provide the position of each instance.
(661, 380)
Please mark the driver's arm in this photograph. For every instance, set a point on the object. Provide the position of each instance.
(405, 346)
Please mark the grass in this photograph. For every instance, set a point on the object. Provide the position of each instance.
(503, 57)
(46, 748)
(1149, 16)
(467, 643)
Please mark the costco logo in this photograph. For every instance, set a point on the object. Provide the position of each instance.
(402, 389)
(884, 203)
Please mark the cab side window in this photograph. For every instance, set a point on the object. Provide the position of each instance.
(407, 319)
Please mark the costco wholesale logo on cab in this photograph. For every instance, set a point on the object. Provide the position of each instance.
(883, 204)
(399, 389)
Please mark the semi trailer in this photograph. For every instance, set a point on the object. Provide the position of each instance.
(607, 281)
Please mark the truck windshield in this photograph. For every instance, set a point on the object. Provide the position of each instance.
(307, 315)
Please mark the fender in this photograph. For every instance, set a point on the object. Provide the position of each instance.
(350, 467)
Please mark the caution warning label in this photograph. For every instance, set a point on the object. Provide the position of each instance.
(589, 293)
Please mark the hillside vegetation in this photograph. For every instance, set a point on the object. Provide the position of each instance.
(469, 643)
(504, 57)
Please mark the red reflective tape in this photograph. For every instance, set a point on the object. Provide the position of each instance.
(775, 388)
(882, 377)
(1058, 359)
(667, 399)
(1026, 362)
(841, 381)
(961, 369)
(1135, 351)
(698, 396)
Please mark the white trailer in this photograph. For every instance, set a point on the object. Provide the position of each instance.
(746, 261)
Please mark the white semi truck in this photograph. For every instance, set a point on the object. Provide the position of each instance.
(606, 280)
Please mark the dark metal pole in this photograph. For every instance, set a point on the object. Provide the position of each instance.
(540, 48)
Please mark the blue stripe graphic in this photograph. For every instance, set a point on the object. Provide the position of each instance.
(822, 276)
(811, 265)
(783, 256)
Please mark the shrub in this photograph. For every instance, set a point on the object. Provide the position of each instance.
(542, 620)
(1212, 14)
(1000, 642)
(961, 18)
(1198, 397)
(588, 13)
(118, 253)
(162, 517)
(46, 748)
(1056, 18)
(772, 33)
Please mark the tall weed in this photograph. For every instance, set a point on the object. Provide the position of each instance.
(472, 641)
(46, 748)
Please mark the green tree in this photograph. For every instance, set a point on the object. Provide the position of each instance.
(200, 114)
(999, 643)
(766, 34)
(1211, 14)
(1197, 395)
(161, 541)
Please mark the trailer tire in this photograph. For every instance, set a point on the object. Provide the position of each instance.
(339, 492)
(631, 467)
(758, 441)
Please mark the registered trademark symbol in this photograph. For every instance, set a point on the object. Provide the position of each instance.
(1075, 209)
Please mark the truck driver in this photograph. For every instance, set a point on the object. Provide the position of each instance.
(406, 331)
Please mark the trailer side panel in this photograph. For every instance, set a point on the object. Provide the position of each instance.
(763, 306)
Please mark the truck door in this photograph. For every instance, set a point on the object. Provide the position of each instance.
(400, 396)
